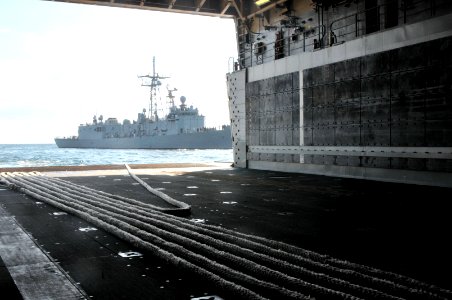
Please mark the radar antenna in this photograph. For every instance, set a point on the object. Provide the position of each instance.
(152, 81)
(170, 95)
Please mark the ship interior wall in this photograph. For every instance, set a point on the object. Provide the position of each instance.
(273, 107)
(397, 98)
(377, 107)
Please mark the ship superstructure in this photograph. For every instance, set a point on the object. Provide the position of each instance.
(182, 127)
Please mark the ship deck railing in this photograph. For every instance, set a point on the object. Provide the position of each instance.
(339, 30)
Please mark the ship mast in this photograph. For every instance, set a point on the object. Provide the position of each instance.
(152, 81)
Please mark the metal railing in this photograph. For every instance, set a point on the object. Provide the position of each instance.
(363, 22)
(381, 17)
(308, 40)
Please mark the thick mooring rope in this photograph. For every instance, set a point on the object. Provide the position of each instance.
(182, 206)
(240, 265)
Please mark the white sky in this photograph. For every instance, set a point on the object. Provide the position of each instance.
(62, 63)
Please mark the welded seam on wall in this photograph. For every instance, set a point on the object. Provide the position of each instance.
(370, 151)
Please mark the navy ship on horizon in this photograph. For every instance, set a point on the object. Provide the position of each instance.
(181, 128)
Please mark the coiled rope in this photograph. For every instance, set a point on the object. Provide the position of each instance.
(242, 266)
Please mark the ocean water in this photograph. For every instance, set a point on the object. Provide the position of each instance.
(35, 155)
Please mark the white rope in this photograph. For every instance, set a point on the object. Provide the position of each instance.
(214, 251)
(168, 199)
(276, 270)
(15, 182)
(245, 266)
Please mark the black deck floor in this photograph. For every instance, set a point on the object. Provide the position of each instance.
(401, 228)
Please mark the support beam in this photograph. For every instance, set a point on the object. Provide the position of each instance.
(268, 7)
(171, 3)
(225, 8)
(237, 9)
(199, 5)
(149, 6)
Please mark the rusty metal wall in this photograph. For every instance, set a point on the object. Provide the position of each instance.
(397, 98)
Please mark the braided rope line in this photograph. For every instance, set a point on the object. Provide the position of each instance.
(230, 287)
(246, 263)
(181, 205)
(204, 242)
(264, 272)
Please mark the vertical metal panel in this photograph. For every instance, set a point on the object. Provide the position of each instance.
(322, 96)
(375, 64)
(439, 52)
(347, 91)
(307, 108)
(308, 136)
(348, 69)
(240, 155)
(273, 115)
(375, 111)
(408, 133)
(238, 106)
(410, 57)
(439, 133)
(348, 135)
(308, 77)
(375, 87)
(408, 107)
(347, 113)
(323, 135)
(295, 81)
(375, 134)
(283, 83)
(323, 115)
(401, 97)
(321, 75)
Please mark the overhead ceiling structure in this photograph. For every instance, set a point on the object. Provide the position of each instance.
(241, 9)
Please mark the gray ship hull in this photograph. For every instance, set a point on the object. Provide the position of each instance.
(218, 139)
